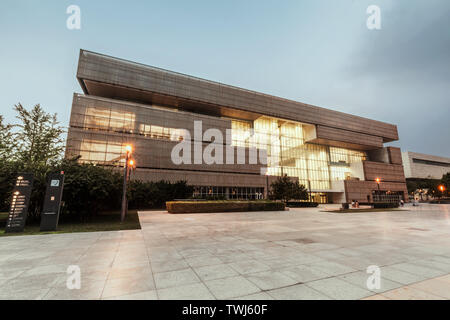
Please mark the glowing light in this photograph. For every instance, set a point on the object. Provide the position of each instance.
(129, 148)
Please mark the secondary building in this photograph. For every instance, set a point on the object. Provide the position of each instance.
(225, 140)
(424, 166)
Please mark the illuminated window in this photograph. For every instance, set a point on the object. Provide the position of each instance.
(287, 152)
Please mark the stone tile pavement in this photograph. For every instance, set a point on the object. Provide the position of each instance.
(298, 254)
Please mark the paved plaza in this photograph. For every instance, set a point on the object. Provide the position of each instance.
(298, 254)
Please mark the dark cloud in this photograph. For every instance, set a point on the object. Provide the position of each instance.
(407, 66)
(414, 40)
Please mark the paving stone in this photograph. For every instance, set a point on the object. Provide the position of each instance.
(123, 286)
(435, 286)
(88, 291)
(175, 278)
(419, 270)
(331, 268)
(410, 293)
(304, 273)
(339, 289)
(215, 272)
(256, 296)
(269, 280)
(196, 291)
(359, 279)
(297, 292)
(249, 266)
(200, 261)
(400, 276)
(33, 267)
(231, 287)
(146, 295)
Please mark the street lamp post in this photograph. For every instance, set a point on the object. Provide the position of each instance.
(309, 188)
(128, 149)
(441, 189)
(378, 180)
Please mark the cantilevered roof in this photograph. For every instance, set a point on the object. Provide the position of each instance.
(116, 78)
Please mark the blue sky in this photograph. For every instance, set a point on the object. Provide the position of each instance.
(318, 52)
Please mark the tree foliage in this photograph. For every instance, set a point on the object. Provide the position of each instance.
(431, 185)
(285, 189)
(145, 195)
(39, 137)
(446, 180)
(414, 184)
(89, 189)
(6, 140)
(35, 145)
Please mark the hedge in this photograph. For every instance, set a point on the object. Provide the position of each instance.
(222, 206)
(382, 205)
(301, 204)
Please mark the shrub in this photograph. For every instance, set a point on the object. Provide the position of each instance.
(222, 206)
(301, 204)
(382, 205)
(89, 189)
(146, 195)
(285, 189)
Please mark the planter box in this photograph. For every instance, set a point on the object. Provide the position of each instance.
(382, 205)
(302, 204)
(222, 206)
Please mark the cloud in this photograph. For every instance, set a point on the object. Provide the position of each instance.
(414, 44)
(405, 70)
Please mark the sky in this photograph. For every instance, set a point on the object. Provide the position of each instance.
(313, 51)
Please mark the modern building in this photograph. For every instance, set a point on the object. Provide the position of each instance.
(337, 155)
(424, 166)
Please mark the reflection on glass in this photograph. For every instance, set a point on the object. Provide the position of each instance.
(289, 154)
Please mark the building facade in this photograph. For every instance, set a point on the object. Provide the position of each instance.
(424, 166)
(239, 140)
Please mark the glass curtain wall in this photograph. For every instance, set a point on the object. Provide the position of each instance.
(288, 153)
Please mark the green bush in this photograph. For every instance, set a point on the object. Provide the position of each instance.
(146, 195)
(222, 206)
(89, 189)
(382, 205)
(301, 204)
(284, 188)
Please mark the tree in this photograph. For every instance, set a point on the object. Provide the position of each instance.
(446, 182)
(285, 189)
(89, 189)
(6, 140)
(39, 137)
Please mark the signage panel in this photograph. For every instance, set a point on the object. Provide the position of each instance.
(52, 202)
(19, 203)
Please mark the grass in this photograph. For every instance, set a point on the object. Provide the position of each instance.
(365, 210)
(109, 221)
